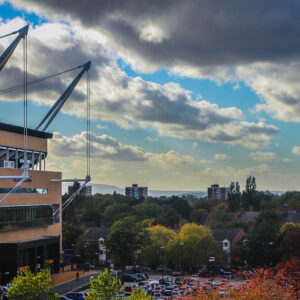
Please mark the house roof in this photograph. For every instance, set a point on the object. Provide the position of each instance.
(95, 233)
(227, 233)
(248, 216)
(30, 132)
(292, 216)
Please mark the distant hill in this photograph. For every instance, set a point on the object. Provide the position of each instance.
(110, 189)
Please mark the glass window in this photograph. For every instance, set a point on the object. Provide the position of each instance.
(24, 191)
(17, 217)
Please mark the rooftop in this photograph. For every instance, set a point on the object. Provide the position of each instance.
(20, 129)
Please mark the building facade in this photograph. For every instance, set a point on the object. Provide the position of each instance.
(30, 233)
(216, 192)
(86, 191)
(136, 191)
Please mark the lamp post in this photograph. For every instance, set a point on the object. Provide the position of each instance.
(138, 251)
(162, 257)
(107, 259)
(181, 265)
(211, 261)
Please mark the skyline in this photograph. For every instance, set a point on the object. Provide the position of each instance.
(174, 106)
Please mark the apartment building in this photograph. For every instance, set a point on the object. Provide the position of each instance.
(136, 191)
(216, 192)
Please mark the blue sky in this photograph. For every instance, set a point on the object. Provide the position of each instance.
(171, 108)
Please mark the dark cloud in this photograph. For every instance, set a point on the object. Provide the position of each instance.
(200, 33)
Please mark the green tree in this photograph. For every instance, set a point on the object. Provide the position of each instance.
(169, 218)
(126, 236)
(248, 195)
(116, 212)
(139, 294)
(147, 211)
(104, 287)
(30, 286)
(182, 207)
(198, 215)
(71, 234)
(262, 239)
(234, 196)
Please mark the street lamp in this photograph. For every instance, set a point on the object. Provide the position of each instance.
(211, 261)
(107, 260)
(138, 251)
(181, 266)
(162, 256)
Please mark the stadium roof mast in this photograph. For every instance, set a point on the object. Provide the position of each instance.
(54, 110)
(50, 115)
(3, 60)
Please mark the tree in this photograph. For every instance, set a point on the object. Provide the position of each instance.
(71, 234)
(249, 192)
(198, 246)
(30, 286)
(262, 239)
(290, 245)
(169, 218)
(198, 215)
(182, 207)
(126, 236)
(116, 212)
(104, 287)
(158, 236)
(139, 294)
(147, 211)
(234, 196)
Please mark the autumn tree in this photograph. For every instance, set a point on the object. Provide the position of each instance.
(158, 236)
(139, 294)
(30, 286)
(197, 246)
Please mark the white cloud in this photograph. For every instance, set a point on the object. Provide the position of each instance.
(194, 145)
(296, 150)
(107, 147)
(99, 126)
(150, 139)
(221, 156)
(263, 156)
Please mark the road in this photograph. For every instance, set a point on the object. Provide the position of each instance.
(75, 285)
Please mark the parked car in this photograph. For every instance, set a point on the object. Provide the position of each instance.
(129, 278)
(75, 296)
(224, 273)
(3, 292)
(164, 269)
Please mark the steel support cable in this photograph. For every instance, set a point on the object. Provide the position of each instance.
(25, 175)
(12, 33)
(16, 87)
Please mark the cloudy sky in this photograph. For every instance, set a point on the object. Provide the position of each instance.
(184, 94)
